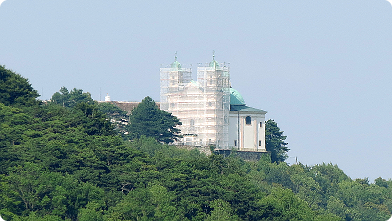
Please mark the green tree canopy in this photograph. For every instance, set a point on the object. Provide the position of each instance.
(112, 110)
(64, 162)
(71, 98)
(16, 90)
(274, 142)
(118, 117)
(148, 120)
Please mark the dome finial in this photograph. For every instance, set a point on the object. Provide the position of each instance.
(176, 64)
(214, 63)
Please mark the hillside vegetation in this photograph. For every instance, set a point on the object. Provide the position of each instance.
(64, 160)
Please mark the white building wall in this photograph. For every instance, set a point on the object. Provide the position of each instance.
(247, 137)
(262, 134)
(234, 131)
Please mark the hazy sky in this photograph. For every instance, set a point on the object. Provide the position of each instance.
(322, 69)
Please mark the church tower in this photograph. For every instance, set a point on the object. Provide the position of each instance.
(202, 106)
(173, 80)
(214, 79)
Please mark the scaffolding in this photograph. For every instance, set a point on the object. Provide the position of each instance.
(173, 80)
(202, 106)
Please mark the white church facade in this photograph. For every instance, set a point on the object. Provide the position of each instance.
(211, 112)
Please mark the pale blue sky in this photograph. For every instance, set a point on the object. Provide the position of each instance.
(322, 69)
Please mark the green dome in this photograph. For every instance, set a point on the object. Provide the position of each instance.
(214, 64)
(176, 64)
(236, 98)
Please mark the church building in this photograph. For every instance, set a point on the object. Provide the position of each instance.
(211, 112)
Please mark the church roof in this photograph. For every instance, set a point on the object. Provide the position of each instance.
(236, 98)
(244, 108)
(237, 103)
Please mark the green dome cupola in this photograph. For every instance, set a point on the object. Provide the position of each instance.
(236, 98)
(213, 63)
(176, 64)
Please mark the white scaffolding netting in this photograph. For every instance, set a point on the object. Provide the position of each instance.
(202, 106)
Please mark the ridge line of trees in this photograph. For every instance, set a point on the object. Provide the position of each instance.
(65, 160)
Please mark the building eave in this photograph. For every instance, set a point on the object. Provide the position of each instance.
(245, 109)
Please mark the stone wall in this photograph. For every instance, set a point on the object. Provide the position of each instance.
(205, 150)
(245, 155)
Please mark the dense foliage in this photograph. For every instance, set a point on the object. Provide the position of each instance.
(66, 162)
(148, 120)
(275, 142)
(70, 99)
(117, 117)
(16, 90)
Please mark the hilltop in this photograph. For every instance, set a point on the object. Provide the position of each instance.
(65, 160)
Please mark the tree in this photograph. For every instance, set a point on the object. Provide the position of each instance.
(14, 126)
(274, 142)
(71, 98)
(283, 204)
(221, 212)
(16, 90)
(148, 120)
(118, 117)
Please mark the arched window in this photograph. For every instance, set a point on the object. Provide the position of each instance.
(192, 123)
(248, 120)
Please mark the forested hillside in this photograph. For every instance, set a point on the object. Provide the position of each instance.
(65, 160)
